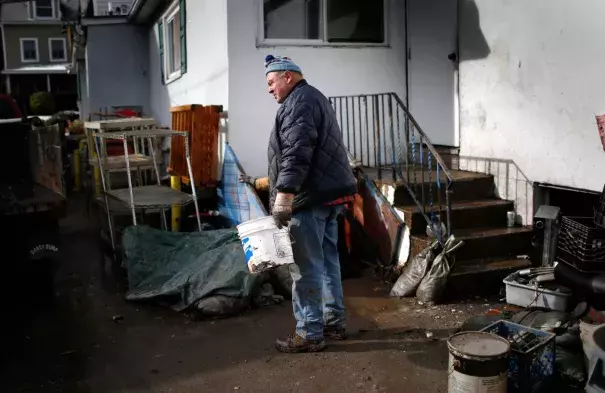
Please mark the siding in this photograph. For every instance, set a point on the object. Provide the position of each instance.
(19, 12)
(206, 80)
(42, 32)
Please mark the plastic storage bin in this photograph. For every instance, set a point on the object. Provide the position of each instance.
(525, 295)
(531, 364)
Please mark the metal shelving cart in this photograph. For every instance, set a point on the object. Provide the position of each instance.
(143, 197)
(139, 160)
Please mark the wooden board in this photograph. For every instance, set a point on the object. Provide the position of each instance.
(379, 220)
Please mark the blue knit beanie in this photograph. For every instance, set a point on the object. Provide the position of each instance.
(279, 63)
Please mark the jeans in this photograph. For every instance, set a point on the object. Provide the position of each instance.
(317, 288)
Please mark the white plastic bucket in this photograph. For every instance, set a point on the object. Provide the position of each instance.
(265, 246)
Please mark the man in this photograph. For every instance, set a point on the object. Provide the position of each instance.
(310, 180)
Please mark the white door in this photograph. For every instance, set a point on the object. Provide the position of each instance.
(432, 29)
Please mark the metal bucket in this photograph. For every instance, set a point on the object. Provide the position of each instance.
(478, 363)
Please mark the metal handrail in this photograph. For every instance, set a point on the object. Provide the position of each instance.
(428, 143)
(380, 133)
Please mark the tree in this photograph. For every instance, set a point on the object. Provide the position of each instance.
(42, 103)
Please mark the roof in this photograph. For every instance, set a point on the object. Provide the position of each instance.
(144, 11)
(61, 68)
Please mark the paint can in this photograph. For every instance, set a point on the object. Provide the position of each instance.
(478, 363)
(510, 219)
(265, 246)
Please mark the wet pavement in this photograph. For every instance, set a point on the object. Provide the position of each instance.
(94, 341)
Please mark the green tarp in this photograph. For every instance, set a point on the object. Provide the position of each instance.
(188, 269)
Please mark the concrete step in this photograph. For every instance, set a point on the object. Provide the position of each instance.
(483, 213)
(465, 186)
(480, 277)
(485, 242)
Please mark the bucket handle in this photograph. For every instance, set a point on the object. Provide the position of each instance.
(292, 241)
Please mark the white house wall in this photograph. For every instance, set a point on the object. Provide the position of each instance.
(206, 82)
(335, 71)
(532, 95)
(117, 64)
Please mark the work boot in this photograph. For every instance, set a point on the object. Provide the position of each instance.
(296, 344)
(335, 332)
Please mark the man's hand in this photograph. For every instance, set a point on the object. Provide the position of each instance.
(259, 183)
(282, 209)
(247, 179)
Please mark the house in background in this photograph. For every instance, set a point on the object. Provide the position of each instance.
(444, 59)
(486, 81)
(36, 55)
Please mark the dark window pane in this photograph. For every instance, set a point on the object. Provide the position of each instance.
(355, 21)
(292, 19)
(44, 8)
(29, 50)
(56, 49)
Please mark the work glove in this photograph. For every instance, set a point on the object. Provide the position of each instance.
(247, 179)
(282, 209)
(259, 183)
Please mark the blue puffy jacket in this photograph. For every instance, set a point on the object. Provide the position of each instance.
(306, 154)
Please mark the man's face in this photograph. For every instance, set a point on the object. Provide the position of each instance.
(279, 85)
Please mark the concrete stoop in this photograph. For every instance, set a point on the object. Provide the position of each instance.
(491, 250)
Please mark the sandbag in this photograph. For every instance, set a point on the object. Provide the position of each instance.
(413, 272)
(432, 285)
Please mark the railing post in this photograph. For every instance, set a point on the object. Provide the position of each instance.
(365, 102)
(448, 202)
(377, 137)
(393, 150)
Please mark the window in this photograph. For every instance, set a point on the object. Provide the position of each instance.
(57, 49)
(172, 30)
(29, 50)
(42, 9)
(317, 22)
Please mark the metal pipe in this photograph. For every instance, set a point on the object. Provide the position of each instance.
(157, 176)
(102, 175)
(377, 137)
(360, 129)
(342, 125)
(129, 176)
(393, 150)
(448, 202)
(365, 100)
(192, 182)
(429, 145)
(422, 200)
(384, 126)
(348, 124)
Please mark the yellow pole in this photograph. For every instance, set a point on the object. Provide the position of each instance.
(175, 183)
(78, 153)
(96, 173)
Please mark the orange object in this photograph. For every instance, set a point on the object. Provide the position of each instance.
(203, 124)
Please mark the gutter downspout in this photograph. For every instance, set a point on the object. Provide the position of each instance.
(135, 9)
